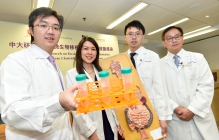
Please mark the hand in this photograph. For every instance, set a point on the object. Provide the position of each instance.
(93, 137)
(185, 114)
(176, 111)
(121, 131)
(66, 98)
(163, 125)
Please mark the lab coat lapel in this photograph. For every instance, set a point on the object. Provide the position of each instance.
(88, 76)
(170, 62)
(141, 57)
(184, 60)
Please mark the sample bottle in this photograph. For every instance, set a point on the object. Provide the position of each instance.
(105, 86)
(82, 89)
(127, 83)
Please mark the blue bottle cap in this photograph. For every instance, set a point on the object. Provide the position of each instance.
(80, 77)
(126, 70)
(103, 73)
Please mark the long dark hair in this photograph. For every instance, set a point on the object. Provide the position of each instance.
(78, 59)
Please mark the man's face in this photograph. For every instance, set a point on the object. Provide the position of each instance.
(134, 38)
(46, 33)
(173, 41)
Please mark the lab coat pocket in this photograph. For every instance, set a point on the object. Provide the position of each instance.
(192, 73)
(146, 69)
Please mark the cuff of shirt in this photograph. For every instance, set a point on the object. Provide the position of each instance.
(90, 131)
(53, 106)
(169, 117)
(165, 115)
(173, 105)
(197, 111)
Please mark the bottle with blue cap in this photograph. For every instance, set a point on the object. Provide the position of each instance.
(127, 78)
(82, 86)
(105, 86)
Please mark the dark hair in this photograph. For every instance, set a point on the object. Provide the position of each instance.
(169, 28)
(43, 12)
(78, 59)
(135, 23)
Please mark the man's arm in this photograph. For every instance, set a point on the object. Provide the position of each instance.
(201, 102)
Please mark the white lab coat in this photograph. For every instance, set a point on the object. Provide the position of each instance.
(190, 85)
(85, 124)
(29, 99)
(149, 70)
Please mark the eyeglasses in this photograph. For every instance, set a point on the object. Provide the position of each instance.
(170, 39)
(46, 26)
(130, 35)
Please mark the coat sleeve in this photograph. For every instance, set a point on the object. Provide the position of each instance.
(115, 117)
(201, 102)
(86, 126)
(161, 103)
(19, 101)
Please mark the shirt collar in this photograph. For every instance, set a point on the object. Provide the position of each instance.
(38, 52)
(138, 51)
(180, 54)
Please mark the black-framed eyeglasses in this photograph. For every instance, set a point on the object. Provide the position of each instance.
(46, 26)
(131, 34)
(176, 37)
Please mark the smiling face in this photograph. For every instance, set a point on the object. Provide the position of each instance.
(88, 52)
(173, 41)
(134, 38)
(46, 37)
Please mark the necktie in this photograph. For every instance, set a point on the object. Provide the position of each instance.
(132, 58)
(52, 61)
(176, 60)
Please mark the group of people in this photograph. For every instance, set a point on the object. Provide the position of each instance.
(35, 104)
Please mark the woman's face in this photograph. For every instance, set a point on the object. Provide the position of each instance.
(88, 52)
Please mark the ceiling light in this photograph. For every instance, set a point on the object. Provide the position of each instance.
(205, 31)
(207, 16)
(42, 3)
(175, 23)
(128, 14)
(197, 30)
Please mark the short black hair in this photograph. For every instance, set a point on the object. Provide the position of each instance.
(43, 12)
(135, 23)
(169, 28)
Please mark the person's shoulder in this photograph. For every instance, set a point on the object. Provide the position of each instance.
(19, 55)
(72, 71)
(163, 58)
(195, 54)
(148, 51)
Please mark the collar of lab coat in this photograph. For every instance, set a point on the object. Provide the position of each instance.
(183, 57)
(88, 76)
(141, 54)
(38, 52)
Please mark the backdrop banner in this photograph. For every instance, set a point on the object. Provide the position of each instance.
(15, 37)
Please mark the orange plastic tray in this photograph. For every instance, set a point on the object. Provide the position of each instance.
(117, 97)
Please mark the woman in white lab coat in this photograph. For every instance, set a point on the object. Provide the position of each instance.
(102, 125)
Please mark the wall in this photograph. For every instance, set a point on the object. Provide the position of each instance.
(161, 51)
(209, 48)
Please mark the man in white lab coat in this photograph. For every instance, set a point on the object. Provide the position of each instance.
(190, 87)
(33, 101)
(148, 67)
